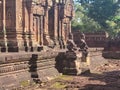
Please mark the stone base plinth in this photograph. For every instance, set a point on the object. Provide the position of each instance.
(3, 49)
(12, 49)
(73, 64)
(111, 54)
(18, 70)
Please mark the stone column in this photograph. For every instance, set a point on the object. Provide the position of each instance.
(59, 26)
(20, 12)
(1, 26)
(55, 22)
(41, 30)
(47, 40)
(46, 28)
(67, 32)
(4, 49)
(60, 34)
(60, 29)
(69, 26)
(30, 29)
(31, 39)
(63, 34)
(40, 35)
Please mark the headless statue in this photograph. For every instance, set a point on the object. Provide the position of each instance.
(83, 47)
(71, 46)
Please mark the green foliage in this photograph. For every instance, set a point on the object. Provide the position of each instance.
(95, 15)
(82, 22)
(102, 10)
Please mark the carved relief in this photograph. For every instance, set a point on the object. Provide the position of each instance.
(36, 26)
(38, 10)
(20, 19)
(68, 9)
(36, 1)
(50, 2)
(43, 2)
(9, 17)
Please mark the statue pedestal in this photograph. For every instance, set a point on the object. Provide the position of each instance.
(73, 64)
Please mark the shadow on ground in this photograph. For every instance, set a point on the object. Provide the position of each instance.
(111, 80)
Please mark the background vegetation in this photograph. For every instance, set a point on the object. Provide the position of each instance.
(97, 15)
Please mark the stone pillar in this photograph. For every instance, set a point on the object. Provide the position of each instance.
(47, 40)
(41, 30)
(30, 32)
(32, 37)
(56, 25)
(70, 26)
(40, 33)
(26, 29)
(20, 21)
(63, 34)
(4, 48)
(1, 26)
(59, 26)
(67, 28)
(59, 31)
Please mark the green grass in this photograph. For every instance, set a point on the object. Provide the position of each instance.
(58, 85)
(25, 83)
(66, 77)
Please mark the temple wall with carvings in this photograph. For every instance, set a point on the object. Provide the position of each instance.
(27, 25)
(31, 25)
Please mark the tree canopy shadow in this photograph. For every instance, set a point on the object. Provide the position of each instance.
(111, 80)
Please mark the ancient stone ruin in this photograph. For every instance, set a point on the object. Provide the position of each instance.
(34, 35)
(28, 25)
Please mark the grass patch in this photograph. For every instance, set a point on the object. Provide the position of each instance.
(66, 77)
(25, 83)
(58, 85)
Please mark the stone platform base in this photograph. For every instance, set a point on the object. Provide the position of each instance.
(19, 70)
(73, 63)
(111, 54)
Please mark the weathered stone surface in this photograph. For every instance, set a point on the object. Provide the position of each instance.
(111, 54)
(32, 26)
(29, 25)
(9, 81)
(73, 63)
(96, 59)
(24, 68)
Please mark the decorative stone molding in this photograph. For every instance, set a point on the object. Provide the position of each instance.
(21, 68)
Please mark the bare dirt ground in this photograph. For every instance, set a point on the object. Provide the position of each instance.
(107, 77)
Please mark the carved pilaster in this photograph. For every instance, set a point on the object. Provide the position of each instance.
(46, 28)
(69, 26)
(4, 42)
(41, 30)
(56, 26)
(20, 24)
(63, 34)
(47, 40)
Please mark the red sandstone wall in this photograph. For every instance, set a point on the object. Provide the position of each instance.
(97, 39)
